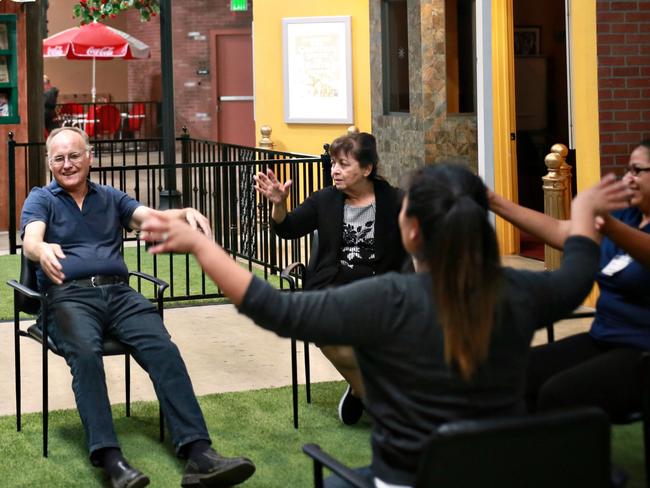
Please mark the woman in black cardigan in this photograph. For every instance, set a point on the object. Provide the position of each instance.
(358, 236)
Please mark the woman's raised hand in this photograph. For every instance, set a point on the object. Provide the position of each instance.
(592, 205)
(607, 195)
(269, 186)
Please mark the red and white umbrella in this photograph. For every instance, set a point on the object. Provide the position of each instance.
(94, 41)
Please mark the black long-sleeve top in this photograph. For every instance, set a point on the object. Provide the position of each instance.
(391, 321)
(323, 211)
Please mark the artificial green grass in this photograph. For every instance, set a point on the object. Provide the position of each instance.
(257, 424)
(166, 266)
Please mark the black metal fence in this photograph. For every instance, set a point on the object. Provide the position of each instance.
(112, 120)
(216, 179)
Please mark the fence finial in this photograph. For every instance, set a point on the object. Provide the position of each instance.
(265, 141)
(11, 135)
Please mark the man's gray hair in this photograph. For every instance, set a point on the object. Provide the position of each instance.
(58, 130)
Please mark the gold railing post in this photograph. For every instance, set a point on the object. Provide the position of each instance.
(265, 141)
(566, 171)
(557, 196)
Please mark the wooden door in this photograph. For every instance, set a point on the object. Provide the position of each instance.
(232, 82)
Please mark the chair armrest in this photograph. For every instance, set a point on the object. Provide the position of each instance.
(26, 299)
(321, 458)
(161, 284)
(289, 274)
(25, 290)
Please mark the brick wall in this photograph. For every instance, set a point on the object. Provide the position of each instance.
(623, 78)
(192, 92)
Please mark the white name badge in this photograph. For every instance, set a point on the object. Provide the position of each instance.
(617, 263)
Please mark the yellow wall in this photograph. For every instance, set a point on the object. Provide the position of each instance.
(584, 72)
(505, 149)
(269, 87)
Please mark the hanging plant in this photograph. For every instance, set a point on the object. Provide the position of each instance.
(96, 10)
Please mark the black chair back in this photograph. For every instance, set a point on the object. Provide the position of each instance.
(27, 278)
(560, 449)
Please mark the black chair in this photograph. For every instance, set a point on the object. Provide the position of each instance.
(560, 449)
(294, 274)
(29, 301)
(630, 417)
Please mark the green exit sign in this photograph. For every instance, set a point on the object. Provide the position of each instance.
(238, 5)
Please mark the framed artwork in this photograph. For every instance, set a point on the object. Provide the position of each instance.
(317, 65)
(527, 41)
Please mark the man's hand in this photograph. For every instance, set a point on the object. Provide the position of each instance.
(49, 261)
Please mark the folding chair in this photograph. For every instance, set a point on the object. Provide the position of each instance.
(562, 449)
(29, 301)
(294, 274)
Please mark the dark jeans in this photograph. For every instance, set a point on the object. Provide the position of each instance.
(580, 370)
(78, 319)
(336, 482)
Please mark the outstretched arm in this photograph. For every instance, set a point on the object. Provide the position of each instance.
(277, 193)
(544, 227)
(177, 236)
(633, 240)
(194, 218)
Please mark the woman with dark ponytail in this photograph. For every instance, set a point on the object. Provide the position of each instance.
(445, 343)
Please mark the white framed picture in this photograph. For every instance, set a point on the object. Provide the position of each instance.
(317, 66)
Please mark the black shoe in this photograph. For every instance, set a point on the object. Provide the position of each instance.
(350, 408)
(217, 470)
(128, 477)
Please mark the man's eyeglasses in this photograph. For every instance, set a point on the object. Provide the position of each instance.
(73, 157)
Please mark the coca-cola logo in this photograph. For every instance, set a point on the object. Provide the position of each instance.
(55, 51)
(100, 52)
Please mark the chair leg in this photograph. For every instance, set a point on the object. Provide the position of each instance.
(162, 423)
(550, 333)
(17, 365)
(645, 398)
(45, 392)
(127, 381)
(646, 449)
(318, 474)
(294, 382)
(307, 373)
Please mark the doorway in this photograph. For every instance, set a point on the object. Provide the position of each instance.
(232, 86)
(541, 100)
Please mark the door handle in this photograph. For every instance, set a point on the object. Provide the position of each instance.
(236, 98)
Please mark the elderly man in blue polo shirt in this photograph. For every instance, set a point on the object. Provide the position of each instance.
(73, 229)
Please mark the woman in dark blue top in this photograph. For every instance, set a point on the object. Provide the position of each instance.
(599, 367)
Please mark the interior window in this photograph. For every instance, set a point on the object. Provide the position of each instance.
(395, 56)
